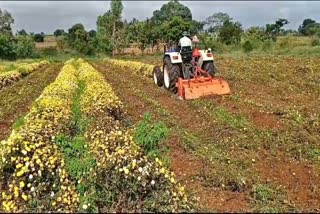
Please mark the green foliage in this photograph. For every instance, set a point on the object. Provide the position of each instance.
(315, 41)
(230, 32)
(148, 134)
(25, 47)
(6, 21)
(273, 30)
(247, 46)
(111, 33)
(58, 32)
(92, 33)
(22, 32)
(305, 23)
(256, 34)
(262, 193)
(170, 10)
(18, 123)
(215, 22)
(312, 29)
(172, 30)
(7, 47)
(38, 37)
(208, 41)
(104, 32)
(79, 39)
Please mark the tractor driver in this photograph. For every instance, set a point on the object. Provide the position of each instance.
(185, 41)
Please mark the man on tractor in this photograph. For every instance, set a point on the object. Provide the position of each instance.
(185, 41)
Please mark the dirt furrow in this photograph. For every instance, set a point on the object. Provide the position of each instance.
(16, 99)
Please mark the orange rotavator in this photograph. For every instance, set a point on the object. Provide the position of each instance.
(189, 74)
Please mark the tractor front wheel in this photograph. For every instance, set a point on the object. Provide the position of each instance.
(209, 68)
(158, 76)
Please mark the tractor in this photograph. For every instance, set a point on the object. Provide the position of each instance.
(189, 73)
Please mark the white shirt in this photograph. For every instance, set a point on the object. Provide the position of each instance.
(185, 42)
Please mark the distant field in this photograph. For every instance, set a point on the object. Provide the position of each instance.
(49, 42)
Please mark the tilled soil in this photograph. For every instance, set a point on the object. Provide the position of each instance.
(220, 153)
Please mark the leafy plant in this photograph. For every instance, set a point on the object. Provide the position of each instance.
(148, 134)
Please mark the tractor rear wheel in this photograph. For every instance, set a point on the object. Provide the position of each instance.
(209, 68)
(171, 77)
(158, 76)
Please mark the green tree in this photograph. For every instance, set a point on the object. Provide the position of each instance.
(7, 47)
(305, 23)
(6, 21)
(38, 37)
(58, 32)
(109, 26)
(104, 32)
(312, 29)
(116, 11)
(172, 30)
(22, 32)
(273, 30)
(79, 39)
(92, 33)
(230, 32)
(256, 33)
(171, 9)
(25, 47)
(214, 23)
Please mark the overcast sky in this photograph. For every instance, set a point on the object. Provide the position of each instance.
(46, 16)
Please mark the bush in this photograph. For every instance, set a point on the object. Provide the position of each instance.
(148, 135)
(266, 45)
(7, 47)
(315, 41)
(38, 37)
(25, 47)
(247, 46)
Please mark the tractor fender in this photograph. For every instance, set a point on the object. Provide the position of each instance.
(206, 56)
(175, 57)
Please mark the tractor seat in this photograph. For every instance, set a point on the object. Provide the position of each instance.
(186, 54)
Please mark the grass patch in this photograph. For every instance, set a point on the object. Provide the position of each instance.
(222, 114)
(266, 198)
(79, 161)
(19, 122)
(149, 135)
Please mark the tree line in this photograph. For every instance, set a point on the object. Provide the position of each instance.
(165, 26)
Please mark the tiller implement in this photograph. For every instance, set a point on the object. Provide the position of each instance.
(190, 74)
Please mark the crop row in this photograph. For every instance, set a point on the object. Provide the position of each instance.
(32, 171)
(138, 67)
(132, 180)
(21, 70)
(35, 176)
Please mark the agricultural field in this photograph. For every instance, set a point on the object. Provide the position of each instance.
(254, 150)
(142, 149)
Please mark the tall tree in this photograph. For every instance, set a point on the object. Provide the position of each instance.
(79, 39)
(230, 32)
(170, 10)
(6, 21)
(58, 32)
(305, 23)
(214, 23)
(104, 32)
(273, 30)
(109, 26)
(22, 32)
(116, 11)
